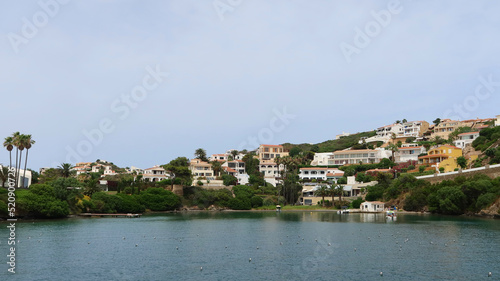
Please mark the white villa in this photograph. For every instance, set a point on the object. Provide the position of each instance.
(323, 159)
(320, 173)
(407, 153)
(497, 122)
(154, 174)
(365, 156)
(415, 128)
(465, 139)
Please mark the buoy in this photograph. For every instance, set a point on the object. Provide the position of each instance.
(489, 274)
(136, 245)
(154, 237)
(201, 268)
(250, 259)
(177, 248)
(381, 273)
(88, 243)
(281, 243)
(226, 247)
(354, 249)
(123, 238)
(257, 248)
(329, 244)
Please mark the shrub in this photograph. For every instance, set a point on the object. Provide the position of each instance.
(441, 169)
(421, 169)
(485, 200)
(357, 203)
(159, 199)
(240, 204)
(411, 167)
(257, 201)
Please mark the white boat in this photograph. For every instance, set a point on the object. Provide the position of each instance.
(390, 215)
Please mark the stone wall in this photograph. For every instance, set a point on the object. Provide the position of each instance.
(492, 172)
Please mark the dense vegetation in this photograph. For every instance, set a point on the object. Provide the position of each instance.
(456, 197)
(489, 143)
(330, 145)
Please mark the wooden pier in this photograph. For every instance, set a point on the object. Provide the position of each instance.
(95, 215)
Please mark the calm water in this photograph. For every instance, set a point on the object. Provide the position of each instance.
(286, 246)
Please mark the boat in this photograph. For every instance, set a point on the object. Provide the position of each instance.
(391, 215)
(278, 208)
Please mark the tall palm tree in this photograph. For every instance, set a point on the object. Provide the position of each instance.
(21, 140)
(340, 191)
(65, 169)
(216, 166)
(28, 142)
(322, 191)
(234, 153)
(9, 145)
(15, 142)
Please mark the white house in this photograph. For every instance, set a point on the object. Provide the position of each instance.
(497, 122)
(322, 159)
(27, 178)
(339, 136)
(237, 169)
(385, 133)
(465, 139)
(154, 174)
(415, 128)
(320, 173)
(372, 206)
(405, 154)
(221, 157)
(365, 156)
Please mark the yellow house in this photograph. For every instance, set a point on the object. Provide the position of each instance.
(442, 156)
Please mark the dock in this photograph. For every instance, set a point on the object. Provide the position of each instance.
(95, 215)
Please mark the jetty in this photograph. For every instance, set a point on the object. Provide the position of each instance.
(95, 215)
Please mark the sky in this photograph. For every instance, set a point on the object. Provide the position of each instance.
(139, 83)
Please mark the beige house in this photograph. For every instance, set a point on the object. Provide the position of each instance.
(497, 121)
(267, 153)
(415, 128)
(200, 169)
(447, 126)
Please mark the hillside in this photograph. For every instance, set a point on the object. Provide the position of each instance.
(331, 145)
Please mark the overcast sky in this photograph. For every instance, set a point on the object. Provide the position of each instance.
(88, 78)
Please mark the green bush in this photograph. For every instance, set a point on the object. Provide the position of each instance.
(257, 201)
(159, 199)
(357, 203)
(441, 169)
(421, 169)
(485, 200)
(240, 204)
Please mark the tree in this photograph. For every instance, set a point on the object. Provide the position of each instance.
(295, 151)
(404, 120)
(4, 175)
(9, 145)
(322, 191)
(234, 152)
(216, 166)
(393, 148)
(180, 161)
(340, 190)
(65, 169)
(462, 162)
(16, 143)
(437, 121)
(28, 142)
(201, 154)
(228, 180)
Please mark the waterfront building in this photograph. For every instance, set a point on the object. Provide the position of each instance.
(444, 156)
(154, 174)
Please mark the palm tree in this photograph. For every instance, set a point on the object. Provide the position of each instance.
(332, 191)
(4, 175)
(216, 166)
(15, 142)
(340, 191)
(234, 152)
(21, 140)
(65, 169)
(322, 191)
(28, 142)
(9, 145)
